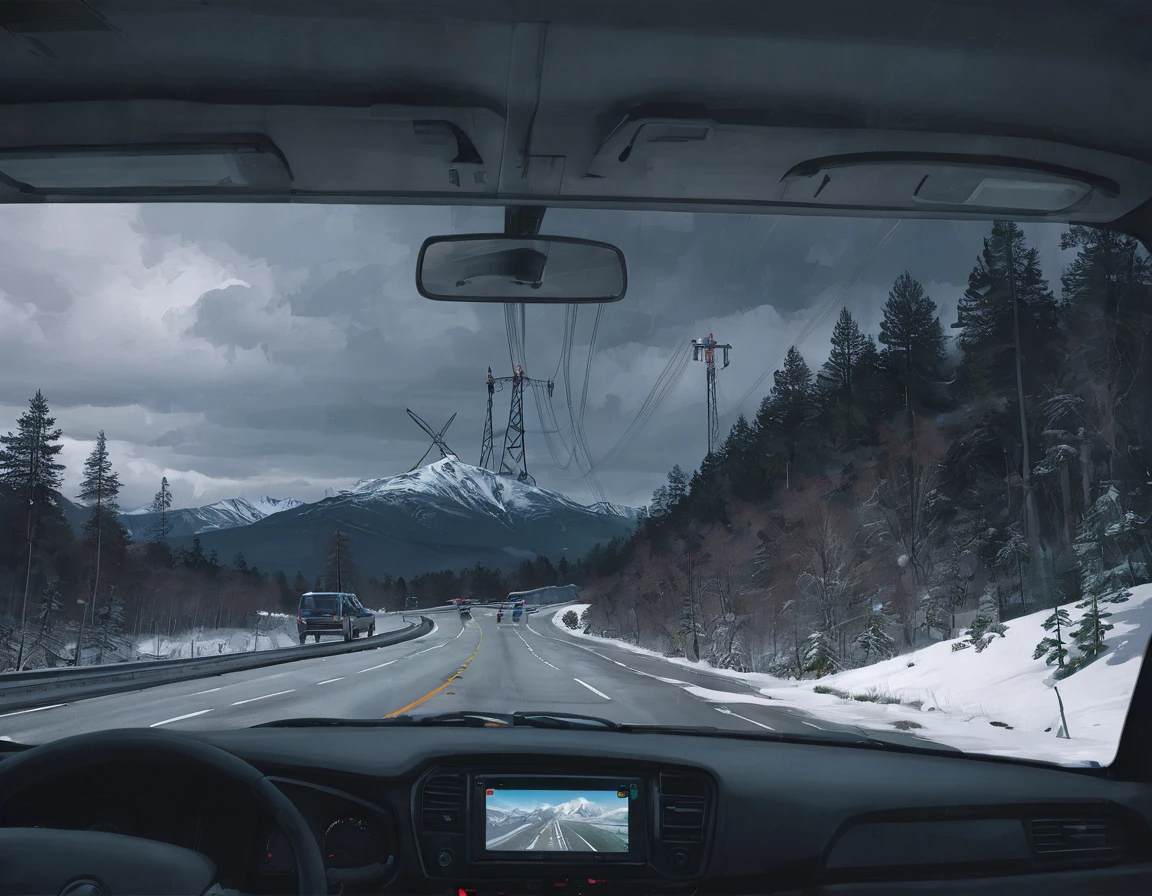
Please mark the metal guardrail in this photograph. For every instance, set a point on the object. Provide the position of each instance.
(25, 690)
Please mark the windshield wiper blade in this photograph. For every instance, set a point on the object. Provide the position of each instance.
(564, 720)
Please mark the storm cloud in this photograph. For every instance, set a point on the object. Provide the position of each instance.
(273, 349)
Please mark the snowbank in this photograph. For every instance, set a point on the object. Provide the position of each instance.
(276, 630)
(955, 697)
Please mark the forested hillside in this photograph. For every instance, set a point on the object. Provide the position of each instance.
(995, 463)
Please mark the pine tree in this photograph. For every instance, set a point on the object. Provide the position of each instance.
(687, 629)
(677, 486)
(563, 572)
(239, 563)
(161, 504)
(875, 641)
(48, 608)
(838, 375)
(109, 629)
(340, 574)
(985, 316)
(300, 584)
(1090, 634)
(738, 456)
(818, 654)
(29, 467)
(28, 457)
(1054, 648)
(1106, 269)
(99, 491)
(1107, 539)
(912, 336)
(788, 409)
(659, 505)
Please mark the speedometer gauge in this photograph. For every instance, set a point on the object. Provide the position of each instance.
(350, 842)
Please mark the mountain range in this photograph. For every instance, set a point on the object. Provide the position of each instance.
(227, 514)
(447, 515)
(575, 809)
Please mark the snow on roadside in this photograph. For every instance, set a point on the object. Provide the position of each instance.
(954, 697)
(276, 630)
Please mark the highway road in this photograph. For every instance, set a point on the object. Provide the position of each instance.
(475, 665)
(565, 835)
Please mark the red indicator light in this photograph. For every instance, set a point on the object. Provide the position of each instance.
(489, 792)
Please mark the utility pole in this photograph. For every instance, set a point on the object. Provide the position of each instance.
(705, 350)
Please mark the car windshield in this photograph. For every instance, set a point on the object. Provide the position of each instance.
(811, 475)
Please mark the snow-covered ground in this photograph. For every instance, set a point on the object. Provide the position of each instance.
(276, 630)
(1000, 701)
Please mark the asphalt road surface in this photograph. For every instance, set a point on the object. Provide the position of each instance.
(474, 665)
(565, 836)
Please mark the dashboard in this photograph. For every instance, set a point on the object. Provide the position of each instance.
(473, 812)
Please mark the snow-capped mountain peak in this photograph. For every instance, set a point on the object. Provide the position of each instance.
(229, 513)
(579, 808)
(474, 488)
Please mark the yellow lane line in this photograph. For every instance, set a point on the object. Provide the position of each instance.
(456, 675)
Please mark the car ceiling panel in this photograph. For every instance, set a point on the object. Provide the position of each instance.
(557, 78)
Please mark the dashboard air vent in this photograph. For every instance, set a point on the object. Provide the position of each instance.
(1077, 838)
(683, 809)
(442, 803)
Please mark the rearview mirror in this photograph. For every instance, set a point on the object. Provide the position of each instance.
(492, 267)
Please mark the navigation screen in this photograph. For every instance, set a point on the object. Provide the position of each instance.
(556, 820)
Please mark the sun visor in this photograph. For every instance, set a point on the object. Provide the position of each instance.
(947, 182)
(747, 161)
(140, 149)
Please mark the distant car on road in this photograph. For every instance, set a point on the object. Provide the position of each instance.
(333, 613)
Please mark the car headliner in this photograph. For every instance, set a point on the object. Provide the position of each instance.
(506, 103)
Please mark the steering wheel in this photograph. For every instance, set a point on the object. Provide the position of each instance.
(36, 861)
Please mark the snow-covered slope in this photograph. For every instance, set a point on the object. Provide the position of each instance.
(226, 514)
(447, 515)
(999, 701)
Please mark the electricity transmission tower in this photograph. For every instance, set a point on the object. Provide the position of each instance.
(705, 350)
(513, 460)
(437, 438)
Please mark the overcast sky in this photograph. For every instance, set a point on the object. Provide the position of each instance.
(273, 349)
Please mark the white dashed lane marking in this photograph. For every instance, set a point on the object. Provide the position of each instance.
(381, 666)
(329, 681)
(592, 689)
(21, 712)
(728, 712)
(262, 697)
(189, 715)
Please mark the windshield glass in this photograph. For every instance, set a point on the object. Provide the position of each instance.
(811, 473)
(320, 603)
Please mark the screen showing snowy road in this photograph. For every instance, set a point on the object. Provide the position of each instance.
(585, 820)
